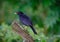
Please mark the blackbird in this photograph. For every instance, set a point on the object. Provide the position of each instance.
(25, 20)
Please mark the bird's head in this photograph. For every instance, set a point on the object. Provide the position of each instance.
(19, 13)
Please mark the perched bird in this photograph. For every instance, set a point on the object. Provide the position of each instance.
(26, 20)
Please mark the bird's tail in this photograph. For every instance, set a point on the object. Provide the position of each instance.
(33, 30)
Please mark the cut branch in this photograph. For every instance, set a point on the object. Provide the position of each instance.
(21, 32)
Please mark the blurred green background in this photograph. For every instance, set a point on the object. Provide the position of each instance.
(45, 15)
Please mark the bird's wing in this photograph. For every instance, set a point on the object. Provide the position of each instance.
(26, 20)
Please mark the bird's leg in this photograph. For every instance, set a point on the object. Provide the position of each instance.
(21, 25)
(24, 27)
